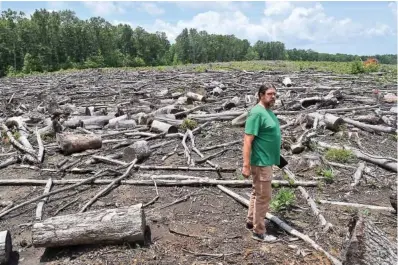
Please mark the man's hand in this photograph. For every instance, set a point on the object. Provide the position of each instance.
(246, 171)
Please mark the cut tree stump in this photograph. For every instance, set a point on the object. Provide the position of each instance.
(139, 150)
(5, 247)
(105, 226)
(74, 143)
(367, 244)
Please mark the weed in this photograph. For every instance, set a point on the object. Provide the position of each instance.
(284, 199)
(189, 124)
(339, 155)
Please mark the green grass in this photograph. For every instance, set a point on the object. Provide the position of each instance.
(188, 124)
(283, 200)
(339, 155)
(326, 173)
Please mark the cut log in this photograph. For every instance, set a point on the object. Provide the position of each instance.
(126, 124)
(98, 121)
(240, 120)
(367, 244)
(171, 109)
(5, 247)
(358, 205)
(112, 122)
(232, 103)
(191, 181)
(369, 127)
(139, 150)
(75, 121)
(287, 82)
(196, 97)
(74, 143)
(162, 127)
(105, 226)
(329, 120)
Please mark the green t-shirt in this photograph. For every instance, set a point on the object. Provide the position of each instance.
(266, 146)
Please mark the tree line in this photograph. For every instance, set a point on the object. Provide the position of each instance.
(50, 41)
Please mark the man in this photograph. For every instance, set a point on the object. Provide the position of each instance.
(261, 150)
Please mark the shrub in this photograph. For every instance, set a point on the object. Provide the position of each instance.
(284, 199)
(189, 124)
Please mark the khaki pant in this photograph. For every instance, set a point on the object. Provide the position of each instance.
(260, 197)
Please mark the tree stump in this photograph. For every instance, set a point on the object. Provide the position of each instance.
(139, 150)
(367, 244)
(74, 143)
(109, 226)
(5, 246)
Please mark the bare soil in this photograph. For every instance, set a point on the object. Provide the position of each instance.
(212, 221)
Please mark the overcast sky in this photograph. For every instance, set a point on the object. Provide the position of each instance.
(363, 28)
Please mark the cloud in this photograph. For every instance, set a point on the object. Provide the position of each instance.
(299, 25)
(107, 8)
(277, 8)
(215, 6)
(393, 6)
(57, 5)
(151, 9)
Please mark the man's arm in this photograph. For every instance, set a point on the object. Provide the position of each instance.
(247, 147)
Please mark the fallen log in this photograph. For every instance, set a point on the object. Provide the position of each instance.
(5, 246)
(357, 205)
(74, 143)
(105, 226)
(385, 163)
(326, 225)
(287, 82)
(162, 127)
(125, 124)
(196, 97)
(113, 121)
(282, 225)
(367, 244)
(31, 157)
(370, 119)
(40, 205)
(358, 174)
(109, 187)
(369, 127)
(329, 120)
(98, 174)
(96, 121)
(192, 181)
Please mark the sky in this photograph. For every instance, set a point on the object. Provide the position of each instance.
(363, 28)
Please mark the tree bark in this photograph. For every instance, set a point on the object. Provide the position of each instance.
(368, 245)
(5, 246)
(139, 150)
(75, 143)
(109, 226)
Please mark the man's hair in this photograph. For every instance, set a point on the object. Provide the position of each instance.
(263, 88)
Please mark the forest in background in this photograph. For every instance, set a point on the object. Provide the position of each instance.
(51, 41)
